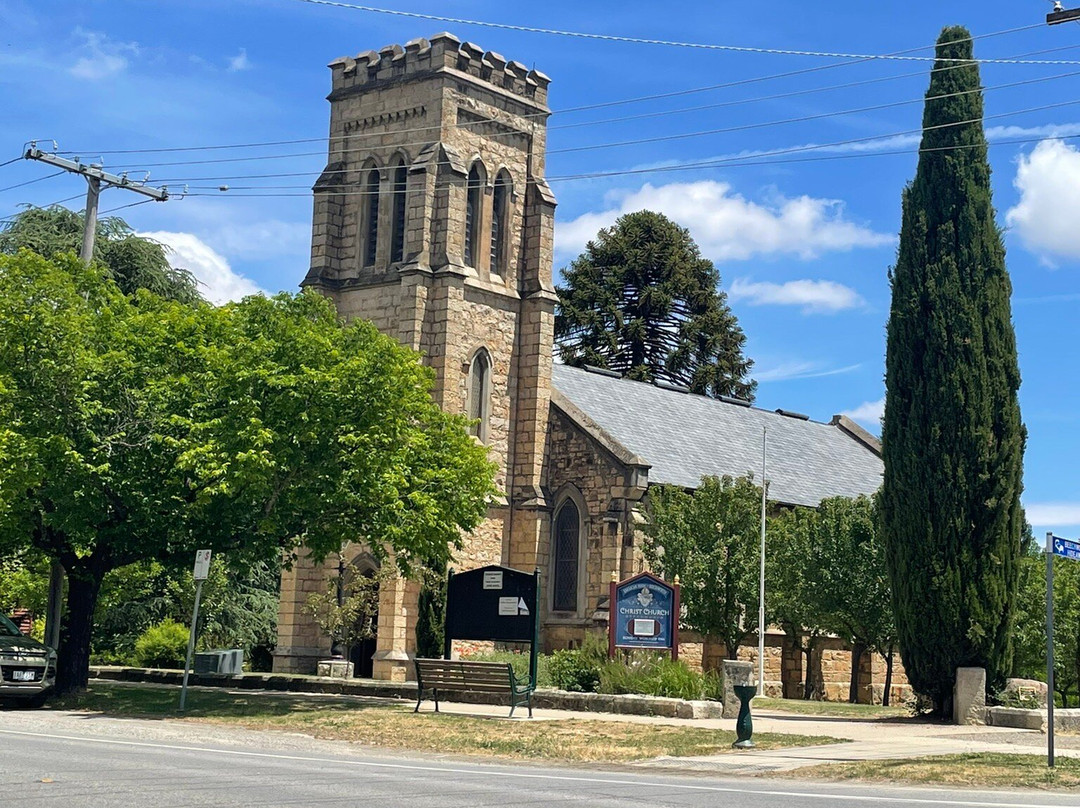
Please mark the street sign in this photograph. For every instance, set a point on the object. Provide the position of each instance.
(644, 614)
(202, 565)
(1066, 548)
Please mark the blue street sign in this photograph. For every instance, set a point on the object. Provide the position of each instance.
(1066, 548)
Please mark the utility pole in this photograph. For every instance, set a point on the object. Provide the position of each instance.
(96, 179)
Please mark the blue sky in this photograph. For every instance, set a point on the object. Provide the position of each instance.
(803, 240)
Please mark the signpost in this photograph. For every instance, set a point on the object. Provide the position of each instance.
(644, 614)
(1066, 548)
(202, 571)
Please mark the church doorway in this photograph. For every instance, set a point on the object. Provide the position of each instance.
(364, 583)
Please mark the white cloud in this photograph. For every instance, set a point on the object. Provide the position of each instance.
(100, 57)
(869, 413)
(219, 283)
(1045, 514)
(797, 369)
(813, 296)
(239, 62)
(1048, 180)
(729, 227)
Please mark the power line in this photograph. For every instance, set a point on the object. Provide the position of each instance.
(738, 161)
(12, 160)
(605, 104)
(653, 139)
(31, 182)
(671, 43)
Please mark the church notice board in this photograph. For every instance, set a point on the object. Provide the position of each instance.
(492, 603)
(644, 613)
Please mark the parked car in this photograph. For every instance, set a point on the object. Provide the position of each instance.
(27, 667)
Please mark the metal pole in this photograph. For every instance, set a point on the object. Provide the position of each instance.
(190, 644)
(761, 588)
(93, 191)
(1050, 650)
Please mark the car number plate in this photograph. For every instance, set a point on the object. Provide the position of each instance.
(24, 676)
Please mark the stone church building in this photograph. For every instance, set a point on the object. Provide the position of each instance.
(433, 220)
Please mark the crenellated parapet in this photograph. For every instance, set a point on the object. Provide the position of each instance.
(443, 52)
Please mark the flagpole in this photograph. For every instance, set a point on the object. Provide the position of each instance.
(761, 587)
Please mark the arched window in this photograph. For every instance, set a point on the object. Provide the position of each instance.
(565, 549)
(397, 231)
(370, 215)
(500, 221)
(474, 193)
(479, 394)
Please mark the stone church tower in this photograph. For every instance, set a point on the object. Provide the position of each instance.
(433, 220)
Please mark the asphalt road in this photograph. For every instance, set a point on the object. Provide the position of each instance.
(84, 764)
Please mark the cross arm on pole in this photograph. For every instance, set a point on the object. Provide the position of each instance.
(94, 172)
(1060, 15)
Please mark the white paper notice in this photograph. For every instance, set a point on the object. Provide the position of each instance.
(493, 579)
(508, 607)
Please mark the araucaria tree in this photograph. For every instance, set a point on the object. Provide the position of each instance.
(135, 428)
(643, 301)
(952, 435)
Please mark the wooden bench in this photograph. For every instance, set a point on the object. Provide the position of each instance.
(434, 675)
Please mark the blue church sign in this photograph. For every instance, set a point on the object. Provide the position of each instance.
(644, 613)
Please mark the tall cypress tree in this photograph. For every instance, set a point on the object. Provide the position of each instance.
(953, 439)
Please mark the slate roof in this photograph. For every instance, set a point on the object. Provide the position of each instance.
(685, 437)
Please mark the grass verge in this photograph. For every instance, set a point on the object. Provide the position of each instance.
(985, 770)
(394, 726)
(838, 709)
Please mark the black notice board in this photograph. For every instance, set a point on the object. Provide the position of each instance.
(492, 603)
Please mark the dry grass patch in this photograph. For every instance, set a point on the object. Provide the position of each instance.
(986, 770)
(377, 724)
(837, 709)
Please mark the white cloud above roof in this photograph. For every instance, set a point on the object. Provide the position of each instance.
(728, 226)
(813, 296)
(1048, 180)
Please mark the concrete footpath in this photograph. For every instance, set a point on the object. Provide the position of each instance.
(862, 738)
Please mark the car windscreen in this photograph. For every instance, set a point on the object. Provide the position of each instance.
(8, 629)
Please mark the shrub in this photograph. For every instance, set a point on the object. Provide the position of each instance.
(162, 646)
(653, 674)
(576, 670)
(520, 661)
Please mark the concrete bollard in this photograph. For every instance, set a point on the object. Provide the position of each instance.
(735, 673)
(969, 696)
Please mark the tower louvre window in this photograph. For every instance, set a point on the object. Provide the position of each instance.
(500, 222)
(566, 545)
(397, 232)
(371, 216)
(472, 214)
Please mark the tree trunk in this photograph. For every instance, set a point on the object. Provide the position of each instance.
(857, 651)
(808, 671)
(885, 698)
(73, 664)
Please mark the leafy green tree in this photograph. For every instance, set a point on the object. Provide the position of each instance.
(1030, 629)
(132, 261)
(710, 539)
(141, 428)
(791, 591)
(852, 592)
(952, 435)
(347, 608)
(642, 300)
